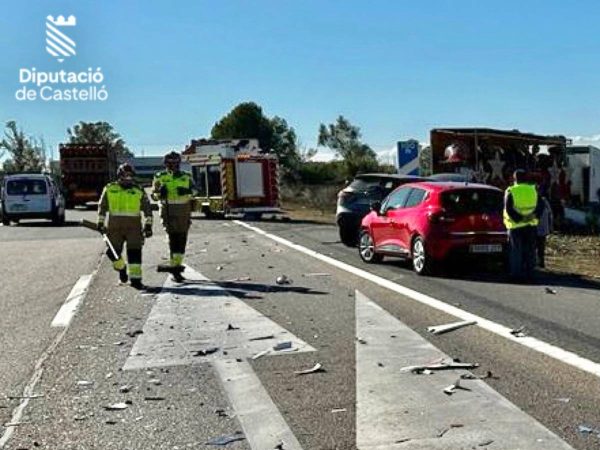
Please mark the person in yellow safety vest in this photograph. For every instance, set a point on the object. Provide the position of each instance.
(125, 201)
(522, 207)
(174, 189)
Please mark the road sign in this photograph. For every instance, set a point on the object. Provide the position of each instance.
(408, 157)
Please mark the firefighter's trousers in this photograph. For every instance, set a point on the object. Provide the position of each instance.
(176, 219)
(126, 232)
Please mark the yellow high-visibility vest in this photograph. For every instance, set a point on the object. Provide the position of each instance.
(525, 200)
(172, 182)
(124, 201)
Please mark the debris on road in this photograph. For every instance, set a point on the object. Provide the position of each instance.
(23, 397)
(282, 346)
(14, 424)
(551, 291)
(418, 369)
(488, 375)
(446, 328)
(563, 399)
(134, 333)
(260, 354)
(205, 352)
(232, 280)
(219, 268)
(155, 381)
(227, 439)
(262, 338)
(315, 369)
(282, 279)
(587, 430)
(338, 410)
(116, 407)
(84, 383)
(317, 274)
(125, 388)
(232, 328)
(519, 332)
(108, 375)
(454, 387)
(153, 398)
(485, 443)
(361, 341)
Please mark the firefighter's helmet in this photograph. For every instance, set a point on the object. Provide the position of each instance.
(124, 170)
(172, 157)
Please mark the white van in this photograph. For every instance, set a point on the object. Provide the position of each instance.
(31, 196)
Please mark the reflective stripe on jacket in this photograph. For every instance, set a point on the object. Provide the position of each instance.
(525, 199)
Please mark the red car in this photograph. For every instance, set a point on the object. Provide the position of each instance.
(429, 222)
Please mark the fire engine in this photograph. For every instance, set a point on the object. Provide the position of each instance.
(233, 177)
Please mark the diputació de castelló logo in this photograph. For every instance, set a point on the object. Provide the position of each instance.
(86, 85)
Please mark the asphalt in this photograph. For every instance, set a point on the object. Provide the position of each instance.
(319, 309)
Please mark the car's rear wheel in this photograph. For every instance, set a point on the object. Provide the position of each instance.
(366, 248)
(421, 261)
(5, 222)
(348, 235)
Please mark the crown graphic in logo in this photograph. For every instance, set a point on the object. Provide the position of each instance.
(58, 44)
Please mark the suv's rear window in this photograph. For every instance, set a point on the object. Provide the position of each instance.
(26, 187)
(472, 200)
(363, 184)
(370, 183)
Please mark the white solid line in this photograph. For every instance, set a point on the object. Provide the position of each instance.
(28, 391)
(67, 310)
(263, 424)
(553, 351)
(393, 406)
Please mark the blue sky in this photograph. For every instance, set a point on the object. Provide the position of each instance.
(394, 68)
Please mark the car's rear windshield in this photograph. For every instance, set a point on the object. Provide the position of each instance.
(366, 183)
(26, 187)
(472, 200)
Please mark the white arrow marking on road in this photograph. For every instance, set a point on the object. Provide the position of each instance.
(195, 316)
(399, 409)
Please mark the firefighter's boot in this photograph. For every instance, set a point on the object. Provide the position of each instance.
(123, 277)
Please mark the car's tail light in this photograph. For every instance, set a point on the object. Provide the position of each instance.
(440, 216)
(345, 197)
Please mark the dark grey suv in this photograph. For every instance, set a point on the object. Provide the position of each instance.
(354, 201)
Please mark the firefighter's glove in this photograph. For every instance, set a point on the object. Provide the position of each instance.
(163, 192)
(183, 191)
(148, 230)
(101, 228)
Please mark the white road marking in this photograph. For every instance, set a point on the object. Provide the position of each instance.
(412, 411)
(538, 345)
(67, 310)
(38, 370)
(197, 316)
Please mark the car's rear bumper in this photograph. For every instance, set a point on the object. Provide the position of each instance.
(26, 215)
(461, 245)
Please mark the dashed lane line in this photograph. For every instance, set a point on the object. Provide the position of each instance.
(67, 310)
(29, 390)
(532, 343)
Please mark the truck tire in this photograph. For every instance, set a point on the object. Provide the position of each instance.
(252, 216)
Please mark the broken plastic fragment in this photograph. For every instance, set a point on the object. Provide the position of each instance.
(519, 332)
(550, 291)
(282, 346)
(227, 439)
(441, 366)
(125, 388)
(454, 387)
(316, 368)
(84, 383)
(317, 274)
(116, 406)
(441, 329)
(282, 279)
(205, 352)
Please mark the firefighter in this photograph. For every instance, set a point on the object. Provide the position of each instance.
(174, 188)
(125, 201)
(521, 211)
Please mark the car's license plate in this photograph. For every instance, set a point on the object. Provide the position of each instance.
(18, 207)
(486, 248)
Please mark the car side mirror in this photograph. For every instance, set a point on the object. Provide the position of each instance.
(376, 206)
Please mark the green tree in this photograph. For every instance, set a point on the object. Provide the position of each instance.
(99, 133)
(25, 153)
(345, 140)
(247, 121)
